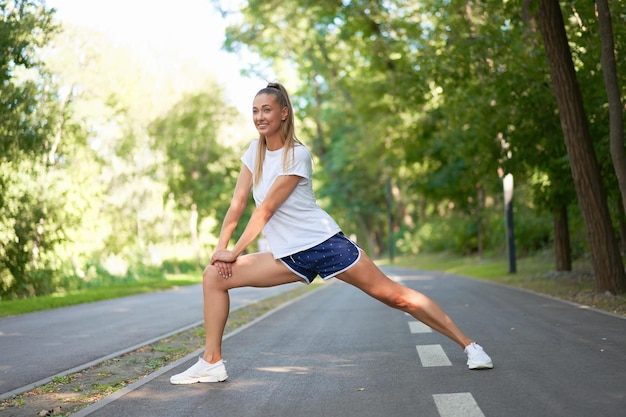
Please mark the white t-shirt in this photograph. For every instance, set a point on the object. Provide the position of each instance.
(299, 223)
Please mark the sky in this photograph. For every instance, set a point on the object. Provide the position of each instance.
(190, 29)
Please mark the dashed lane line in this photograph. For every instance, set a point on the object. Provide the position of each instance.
(432, 355)
(419, 327)
(448, 405)
(457, 405)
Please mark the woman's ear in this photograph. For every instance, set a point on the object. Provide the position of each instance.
(284, 113)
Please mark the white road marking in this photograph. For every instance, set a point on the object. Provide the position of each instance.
(432, 355)
(457, 405)
(419, 327)
(448, 405)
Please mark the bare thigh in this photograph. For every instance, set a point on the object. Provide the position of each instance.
(253, 270)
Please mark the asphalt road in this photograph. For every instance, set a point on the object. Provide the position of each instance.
(337, 352)
(35, 347)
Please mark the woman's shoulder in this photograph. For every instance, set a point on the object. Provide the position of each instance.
(249, 154)
(301, 150)
(251, 145)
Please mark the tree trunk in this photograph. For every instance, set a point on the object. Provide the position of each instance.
(605, 256)
(562, 249)
(611, 84)
(621, 225)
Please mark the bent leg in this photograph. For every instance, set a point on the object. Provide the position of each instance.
(366, 276)
(254, 270)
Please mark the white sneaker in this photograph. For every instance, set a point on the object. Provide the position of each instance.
(202, 371)
(477, 358)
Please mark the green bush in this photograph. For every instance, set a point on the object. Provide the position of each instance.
(178, 266)
(459, 234)
(147, 272)
(453, 234)
(532, 233)
(99, 276)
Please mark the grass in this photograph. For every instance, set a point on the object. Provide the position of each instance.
(92, 294)
(535, 273)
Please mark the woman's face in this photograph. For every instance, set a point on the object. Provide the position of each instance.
(267, 114)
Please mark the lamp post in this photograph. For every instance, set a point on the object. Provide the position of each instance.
(507, 183)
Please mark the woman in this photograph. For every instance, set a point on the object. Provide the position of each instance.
(304, 241)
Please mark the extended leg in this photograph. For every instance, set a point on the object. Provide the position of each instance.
(366, 276)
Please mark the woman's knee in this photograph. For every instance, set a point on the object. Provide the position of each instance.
(404, 299)
(398, 301)
(211, 277)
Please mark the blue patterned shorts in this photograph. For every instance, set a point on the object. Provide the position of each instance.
(329, 258)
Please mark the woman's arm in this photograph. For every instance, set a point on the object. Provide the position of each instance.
(236, 208)
(278, 193)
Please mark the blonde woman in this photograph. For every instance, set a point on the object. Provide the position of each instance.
(304, 241)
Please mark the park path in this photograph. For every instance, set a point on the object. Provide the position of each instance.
(337, 352)
(36, 347)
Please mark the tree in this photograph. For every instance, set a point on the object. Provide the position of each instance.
(611, 84)
(25, 27)
(388, 90)
(604, 250)
(201, 166)
(31, 199)
(343, 55)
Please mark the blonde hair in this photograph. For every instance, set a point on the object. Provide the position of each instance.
(287, 131)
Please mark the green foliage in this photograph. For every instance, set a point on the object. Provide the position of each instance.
(180, 266)
(92, 293)
(458, 234)
(79, 184)
(202, 169)
(102, 174)
(393, 92)
(533, 233)
(102, 275)
(31, 204)
(25, 26)
(452, 234)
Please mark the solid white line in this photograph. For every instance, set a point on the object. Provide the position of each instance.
(457, 405)
(432, 355)
(419, 327)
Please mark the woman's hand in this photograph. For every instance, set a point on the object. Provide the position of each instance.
(222, 260)
(223, 255)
